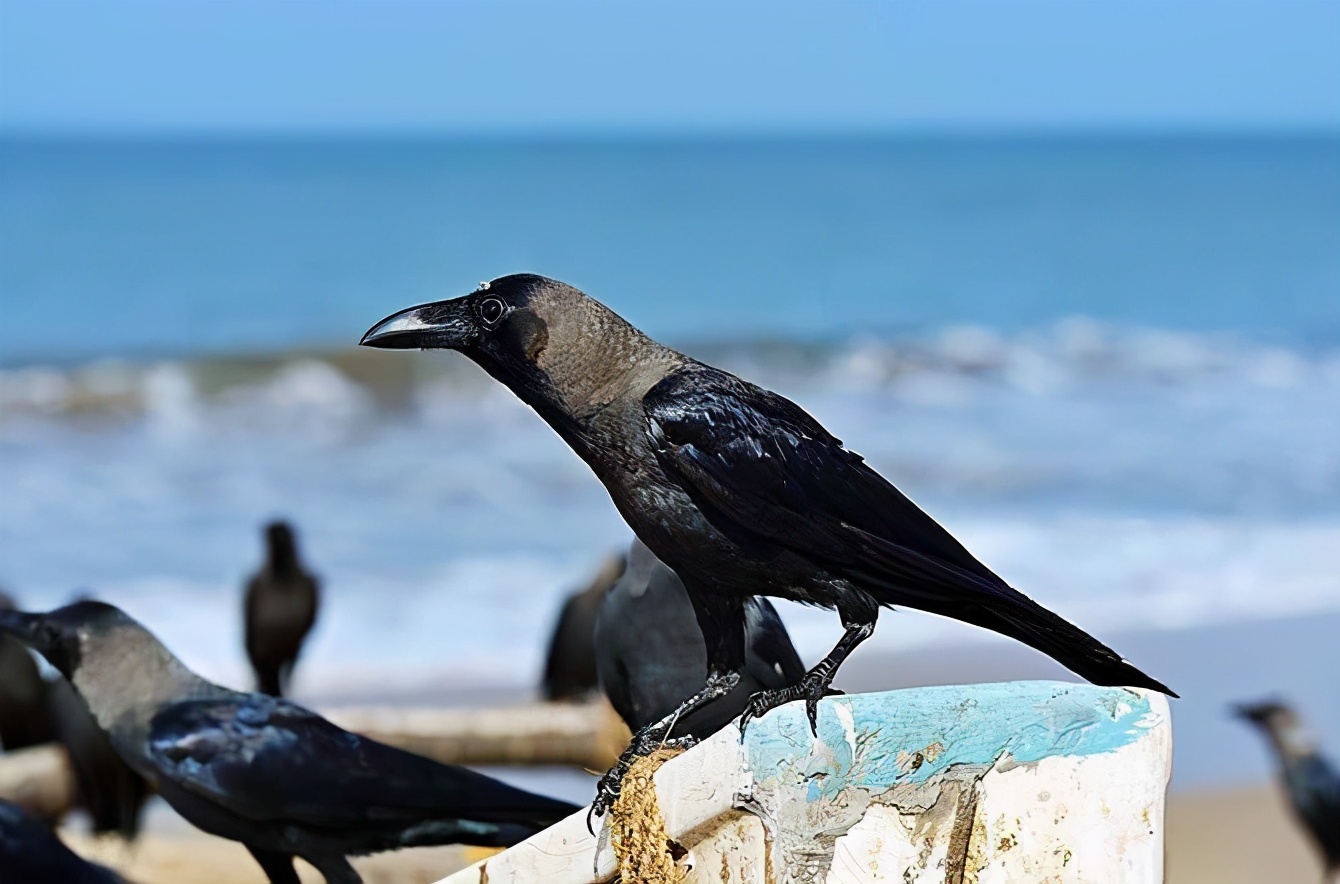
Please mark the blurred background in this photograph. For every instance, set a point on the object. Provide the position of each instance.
(1067, 273)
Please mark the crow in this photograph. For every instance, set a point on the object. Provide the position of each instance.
(24, 718)
(281, 605)
(35, 710)
(570, 663)
(30, 853)
(258, 769)
(1312, 783)
(109, 790)
(737, 489)
(651, 655)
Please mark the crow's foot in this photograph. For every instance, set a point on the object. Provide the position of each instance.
(644, 742)
(653, 737)
(812, 688)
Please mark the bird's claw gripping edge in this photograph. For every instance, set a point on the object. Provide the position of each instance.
(645, 742)
(812, 688)
(653, 737)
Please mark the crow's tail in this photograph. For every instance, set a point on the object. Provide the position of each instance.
(1012, 613)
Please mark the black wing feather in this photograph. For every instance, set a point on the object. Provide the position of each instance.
(1314, 787)
(766, 471)
(267, 759)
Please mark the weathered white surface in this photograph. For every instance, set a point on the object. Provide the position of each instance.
(1030, 781)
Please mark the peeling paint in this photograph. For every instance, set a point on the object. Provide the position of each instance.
(856, 748)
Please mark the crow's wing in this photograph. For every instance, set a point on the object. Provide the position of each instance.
(268, 760)
(768, 475)
(1315, 788)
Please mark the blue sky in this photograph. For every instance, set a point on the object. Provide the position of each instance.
(640, 65)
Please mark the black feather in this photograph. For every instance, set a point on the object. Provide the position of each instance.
(768, 476)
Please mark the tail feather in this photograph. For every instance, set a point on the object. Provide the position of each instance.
(967, 590)
(1025, 620)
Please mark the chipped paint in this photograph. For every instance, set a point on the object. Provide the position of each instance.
(978, 724)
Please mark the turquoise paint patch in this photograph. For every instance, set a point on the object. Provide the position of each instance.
(910, 736)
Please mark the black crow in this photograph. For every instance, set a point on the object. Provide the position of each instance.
(30, 853)
(651, 655)
(570, 663)
(109, 790)
(281, 605)
(260, 770)
(35, 710)
(736, 488)
(1312, 784)
(24, 717)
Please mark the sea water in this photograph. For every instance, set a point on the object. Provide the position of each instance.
(1110, 366)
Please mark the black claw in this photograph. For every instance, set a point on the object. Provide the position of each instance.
(811, 689)
(643, 743)
(812, 710)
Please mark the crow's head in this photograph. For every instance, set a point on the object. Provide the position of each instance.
(550, 343)
(64, 636)
(1267, 714)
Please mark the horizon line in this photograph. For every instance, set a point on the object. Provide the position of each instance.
(668, 133)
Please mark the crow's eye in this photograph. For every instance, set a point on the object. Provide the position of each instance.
(491, 310)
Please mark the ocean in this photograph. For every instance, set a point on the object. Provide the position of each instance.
(1110, 365)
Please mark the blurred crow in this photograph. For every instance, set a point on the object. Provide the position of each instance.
(109, 790)
(1313, 785)
(281, 604)
(34, 710)
(30, 853)
(24, 720)
(651, 654)
(735, 488)
(570, 664)
(260, 770)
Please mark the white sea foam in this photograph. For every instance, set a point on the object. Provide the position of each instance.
(1127, 479)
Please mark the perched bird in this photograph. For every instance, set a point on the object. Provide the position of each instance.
(570, 663)
(651, 655)
(24, 719)
(260, 770)
(281, 604)
(1312, 783)
(30, 853)
(735, 488)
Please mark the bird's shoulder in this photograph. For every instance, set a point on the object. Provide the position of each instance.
(206, 729)
(266, 758)
(712, 409)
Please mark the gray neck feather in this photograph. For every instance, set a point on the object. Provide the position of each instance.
(596, 358)
(125, 676)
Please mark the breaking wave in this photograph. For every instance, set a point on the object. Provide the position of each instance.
(1134, 478)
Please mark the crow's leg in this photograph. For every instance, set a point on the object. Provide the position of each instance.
(267, 678)
(859, 621)
(653, 737)
(721, 619)
(335, 869)
(278, 867)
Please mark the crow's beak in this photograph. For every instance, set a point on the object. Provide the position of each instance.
(20, 625)
(445, 325)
